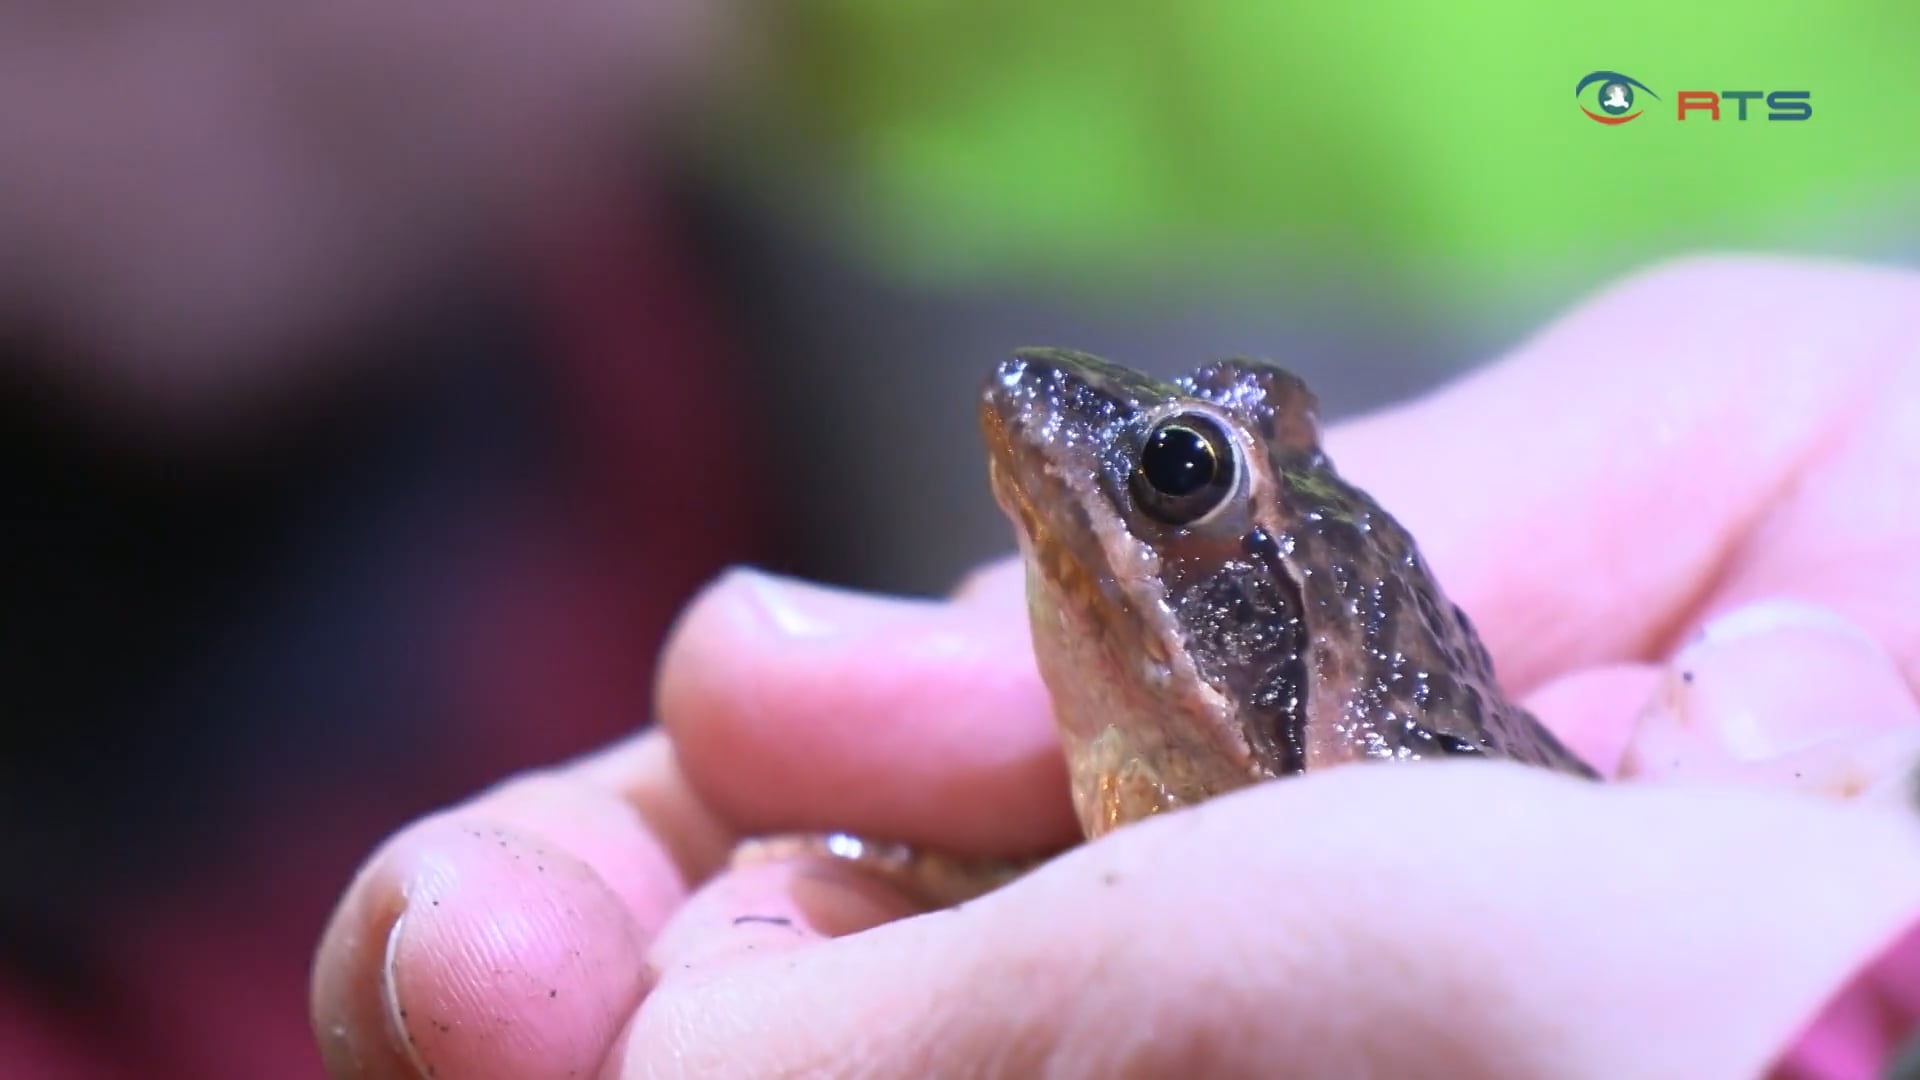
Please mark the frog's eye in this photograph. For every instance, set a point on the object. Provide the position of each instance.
(1186, 470)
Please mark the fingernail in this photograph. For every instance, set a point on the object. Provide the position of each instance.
(1784, 674)
(1774, 616)
(1776, 691)
(390, 1001)
(805, 610)
(423, 888)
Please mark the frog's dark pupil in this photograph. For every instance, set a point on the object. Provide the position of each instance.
(1178, 460)
(1184, 472)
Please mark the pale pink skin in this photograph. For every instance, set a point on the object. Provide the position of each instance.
(195, 193)
(1704, 437)
(1736, 706)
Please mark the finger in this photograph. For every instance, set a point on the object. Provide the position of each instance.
(882, 715)
(748, 917)
(1779, 693)
(764, 909)
(1704, 435)
(1329, 951)
(1784, 694)
(1001, 583)
(797, 707)
(904, 711)
(1593, 710)
(647, 775)
(504, 937)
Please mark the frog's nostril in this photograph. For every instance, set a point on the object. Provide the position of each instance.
(1012, 387)
(1009, 395)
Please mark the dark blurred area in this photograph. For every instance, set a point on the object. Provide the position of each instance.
(369, 405)
(377, 381)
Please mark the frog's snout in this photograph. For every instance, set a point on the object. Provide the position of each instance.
(1005, 397)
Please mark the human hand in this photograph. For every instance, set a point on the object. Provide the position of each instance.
(1704, 438)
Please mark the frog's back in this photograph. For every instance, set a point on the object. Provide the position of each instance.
(1414, 678)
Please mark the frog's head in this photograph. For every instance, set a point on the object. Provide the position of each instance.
(1167, 623)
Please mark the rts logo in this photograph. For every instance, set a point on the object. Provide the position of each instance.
(1615, 96)
(1617, 102)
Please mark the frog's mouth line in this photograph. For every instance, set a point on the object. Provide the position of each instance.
(1035, 539)
(1041, 538)
(1007, 491)
(1062, 572)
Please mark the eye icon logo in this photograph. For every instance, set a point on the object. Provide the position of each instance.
(1613, 94)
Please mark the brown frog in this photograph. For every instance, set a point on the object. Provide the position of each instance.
(1212, 604)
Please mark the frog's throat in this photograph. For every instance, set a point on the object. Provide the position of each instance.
(1113, 785)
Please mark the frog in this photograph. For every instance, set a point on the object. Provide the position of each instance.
(1212, 604)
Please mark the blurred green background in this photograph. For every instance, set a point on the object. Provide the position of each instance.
(1099, 145)
(1380, 194)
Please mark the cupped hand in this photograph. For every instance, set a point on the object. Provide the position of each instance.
(1676, 513)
